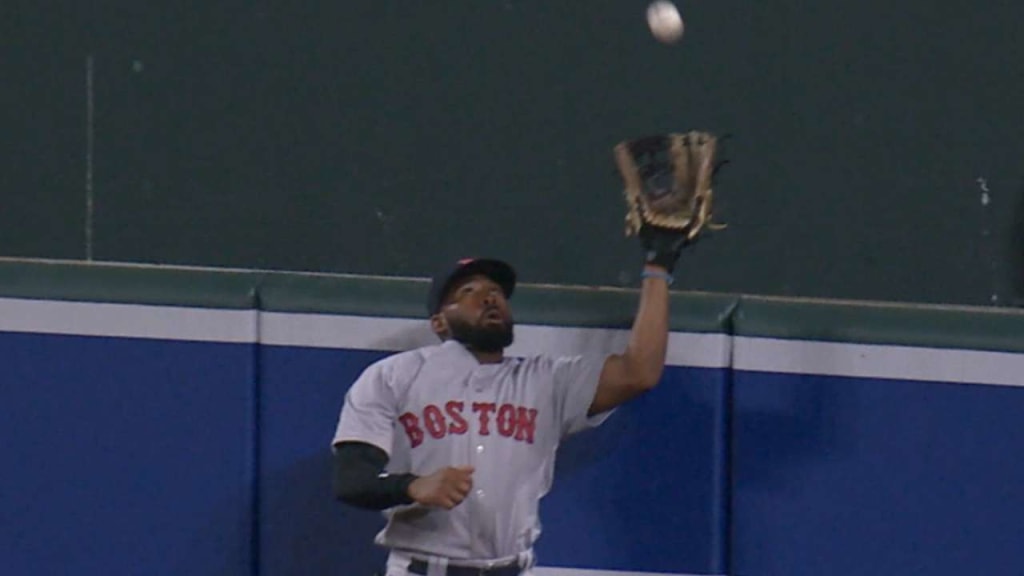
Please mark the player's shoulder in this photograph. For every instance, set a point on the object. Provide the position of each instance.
(405, 361)
(534, 361)
(546, 362)
(541, 364)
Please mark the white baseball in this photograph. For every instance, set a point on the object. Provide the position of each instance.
(665, 22)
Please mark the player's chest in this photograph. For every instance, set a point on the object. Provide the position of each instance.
(475, 413)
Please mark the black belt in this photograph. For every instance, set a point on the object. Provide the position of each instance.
(420, 567)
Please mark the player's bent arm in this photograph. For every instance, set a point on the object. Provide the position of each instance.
(638, 369)
(360, 481)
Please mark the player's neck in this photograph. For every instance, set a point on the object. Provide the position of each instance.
(483, 357)
(488, 357)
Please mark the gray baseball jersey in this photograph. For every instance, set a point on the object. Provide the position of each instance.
(437, 406)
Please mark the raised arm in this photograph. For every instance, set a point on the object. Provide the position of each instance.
(668, 181)
(638, 368)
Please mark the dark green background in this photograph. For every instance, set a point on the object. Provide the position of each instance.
(383, 137)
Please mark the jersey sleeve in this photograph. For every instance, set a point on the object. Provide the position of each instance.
(575, 384)
(370, 410)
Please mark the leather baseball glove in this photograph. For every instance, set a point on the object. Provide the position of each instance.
(668, 190)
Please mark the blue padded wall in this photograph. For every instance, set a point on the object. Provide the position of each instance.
(125, 456)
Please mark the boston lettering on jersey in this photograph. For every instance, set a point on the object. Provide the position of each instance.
(516, 422)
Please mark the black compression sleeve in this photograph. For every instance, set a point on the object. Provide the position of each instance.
(359, 478)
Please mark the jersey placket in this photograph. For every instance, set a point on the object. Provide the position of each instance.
(480, 389)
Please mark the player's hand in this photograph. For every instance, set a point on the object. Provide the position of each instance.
(446, 488)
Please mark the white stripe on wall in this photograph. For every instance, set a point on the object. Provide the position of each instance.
(336, 331)
(394, 334)
(578, 572)
(878, 361)
(317, 330)
(127, 320)
(365, 333)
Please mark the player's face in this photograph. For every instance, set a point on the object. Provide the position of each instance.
(477, 314)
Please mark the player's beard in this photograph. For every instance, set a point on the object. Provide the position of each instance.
(482, 338)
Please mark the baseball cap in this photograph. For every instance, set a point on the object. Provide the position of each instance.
(501, 272)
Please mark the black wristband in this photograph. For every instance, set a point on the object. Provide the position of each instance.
(396, 487)
(359, 478)
(663, 258)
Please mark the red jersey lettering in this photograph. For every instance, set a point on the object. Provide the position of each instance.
(458, 424)
(526, 424)
(412, 428)
(507, 420)
(484, 409)
(433, 419)
(510, 421)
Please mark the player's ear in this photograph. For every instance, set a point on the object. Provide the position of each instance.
(439, 324)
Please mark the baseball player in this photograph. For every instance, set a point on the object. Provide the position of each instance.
(456, 442)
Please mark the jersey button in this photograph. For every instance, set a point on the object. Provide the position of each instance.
(480, 493)
(480, 449)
